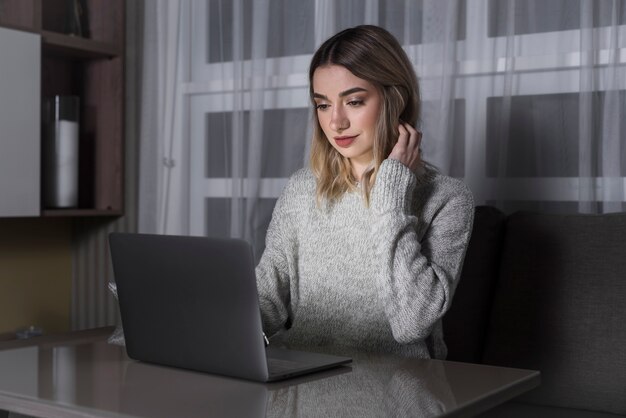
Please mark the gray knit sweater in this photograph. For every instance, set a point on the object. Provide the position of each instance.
(375, 279)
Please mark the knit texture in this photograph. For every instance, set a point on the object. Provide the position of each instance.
(376, 279)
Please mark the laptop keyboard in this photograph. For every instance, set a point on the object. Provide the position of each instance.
(279, 366)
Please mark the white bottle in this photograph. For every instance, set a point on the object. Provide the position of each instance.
(60, 152)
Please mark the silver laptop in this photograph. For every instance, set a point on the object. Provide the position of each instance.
(192, 302)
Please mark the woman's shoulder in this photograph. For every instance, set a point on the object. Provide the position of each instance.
(299, 192)
(302, 182)
(444, 188)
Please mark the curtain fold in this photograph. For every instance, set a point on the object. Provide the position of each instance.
(601, 109)
(163, 143)
(440, 31)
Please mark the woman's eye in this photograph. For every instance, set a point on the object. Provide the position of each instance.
(355, 103)
(321, 106)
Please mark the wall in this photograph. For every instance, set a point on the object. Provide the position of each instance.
(35, 274)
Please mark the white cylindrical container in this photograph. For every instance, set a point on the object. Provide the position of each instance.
(60, 152)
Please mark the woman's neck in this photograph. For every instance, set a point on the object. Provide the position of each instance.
(358, 168)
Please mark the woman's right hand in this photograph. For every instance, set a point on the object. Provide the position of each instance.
(407, 149)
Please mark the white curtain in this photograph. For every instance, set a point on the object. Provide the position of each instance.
(163, 156)
(523, 99)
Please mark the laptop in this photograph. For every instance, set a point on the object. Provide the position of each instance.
(192, 303)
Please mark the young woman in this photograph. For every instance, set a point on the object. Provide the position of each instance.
(365, 247)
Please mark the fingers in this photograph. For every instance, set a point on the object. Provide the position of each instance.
(409, 137)
(414, 136)
(407, 148)
(413, 140)
(404, 136)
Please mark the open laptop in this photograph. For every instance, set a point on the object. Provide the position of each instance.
(192, 302)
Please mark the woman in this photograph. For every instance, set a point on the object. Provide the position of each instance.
(365, 247)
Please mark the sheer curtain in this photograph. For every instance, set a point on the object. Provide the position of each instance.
(163, 147)
(524, 100)
(557, 109)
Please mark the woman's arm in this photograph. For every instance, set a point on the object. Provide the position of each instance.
(277, 266)
(417, 277)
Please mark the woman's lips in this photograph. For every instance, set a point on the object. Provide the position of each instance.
(344, 141)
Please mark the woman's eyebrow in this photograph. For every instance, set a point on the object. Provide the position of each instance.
(342, 94)
(352, 90)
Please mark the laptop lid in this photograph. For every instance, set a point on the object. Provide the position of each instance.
(190, 302)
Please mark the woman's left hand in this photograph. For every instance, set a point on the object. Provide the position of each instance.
(407, 149)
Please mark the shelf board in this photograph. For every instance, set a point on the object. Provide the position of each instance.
(13, 26)
(75, 46)
(48, 213)
(69, 45)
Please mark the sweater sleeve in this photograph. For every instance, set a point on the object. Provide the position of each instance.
(276, 267)
(417, 277)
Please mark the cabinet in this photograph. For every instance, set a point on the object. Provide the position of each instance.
(91, 68)
(20, 92)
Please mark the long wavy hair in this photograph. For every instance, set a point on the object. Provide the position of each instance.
(373, 54)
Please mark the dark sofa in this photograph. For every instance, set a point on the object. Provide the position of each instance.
(546, 292)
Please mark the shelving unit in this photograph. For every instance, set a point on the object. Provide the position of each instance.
(93, 69)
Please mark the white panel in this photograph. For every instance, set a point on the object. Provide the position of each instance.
(20, 92)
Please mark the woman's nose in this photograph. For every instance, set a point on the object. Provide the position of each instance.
(339, 120)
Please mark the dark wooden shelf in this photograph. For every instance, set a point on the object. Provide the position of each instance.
(75, 46)
(91, 68)
(50, 213)
(69, 45)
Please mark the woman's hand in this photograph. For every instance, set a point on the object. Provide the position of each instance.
(407, 149)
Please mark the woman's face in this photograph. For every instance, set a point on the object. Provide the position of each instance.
(347, 108)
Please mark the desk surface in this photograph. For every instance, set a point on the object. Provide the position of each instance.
(83, 376)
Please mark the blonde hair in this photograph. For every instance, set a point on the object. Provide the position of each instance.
(372, 54)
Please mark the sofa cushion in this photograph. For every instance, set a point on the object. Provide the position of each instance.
(560, 307)
(465, 324)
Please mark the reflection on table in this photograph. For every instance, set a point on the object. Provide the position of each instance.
(98, 379)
